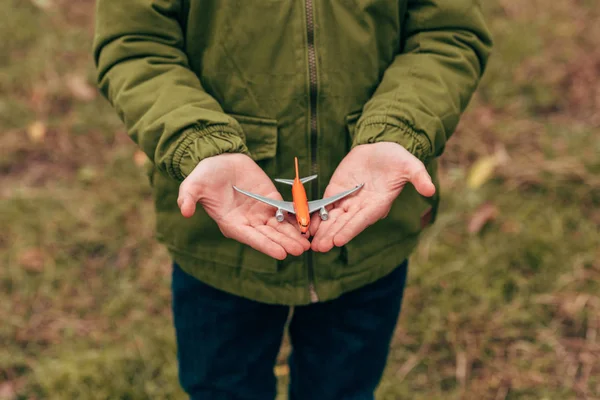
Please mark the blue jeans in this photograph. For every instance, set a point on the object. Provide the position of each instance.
(228, 345)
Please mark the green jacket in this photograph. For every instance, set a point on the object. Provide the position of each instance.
(277, 79)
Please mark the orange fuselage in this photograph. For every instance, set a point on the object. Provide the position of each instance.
(300, 201)
(300, 205)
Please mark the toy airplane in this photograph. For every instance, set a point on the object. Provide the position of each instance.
(300, 205)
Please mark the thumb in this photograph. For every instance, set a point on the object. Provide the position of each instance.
(186, 203)
(422, 182)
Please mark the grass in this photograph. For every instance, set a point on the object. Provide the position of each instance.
(503, 299)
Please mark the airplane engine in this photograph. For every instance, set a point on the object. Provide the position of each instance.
(279, 215)
(323, 214)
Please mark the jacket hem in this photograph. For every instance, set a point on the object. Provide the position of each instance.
(249, 284)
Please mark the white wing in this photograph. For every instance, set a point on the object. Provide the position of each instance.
(317, 204)
(283, 205)
(291, 181)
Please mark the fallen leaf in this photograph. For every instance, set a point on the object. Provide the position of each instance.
(32, 260)
(80, 88)
(140, 158)
(487, 212)
(502, 156)
(482, 171)
(282, 370)
(43, 4)
(37, 131)
(87, 174)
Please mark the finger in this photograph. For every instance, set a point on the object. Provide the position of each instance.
(290, 245)
(323, 242)
(326, 243)
(255, 239)
(324, 226)
(422, 181)
(358, 223)
(290, 231)
(290, 218)
(186, 203)
(315, 222)
(291, 228)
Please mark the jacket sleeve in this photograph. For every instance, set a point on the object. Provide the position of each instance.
(428, 85)
(143, 71)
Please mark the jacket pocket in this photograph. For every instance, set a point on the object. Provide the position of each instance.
(261, 136)
(261, 140)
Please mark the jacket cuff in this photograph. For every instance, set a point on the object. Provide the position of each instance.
(200, 143)
(385, 129)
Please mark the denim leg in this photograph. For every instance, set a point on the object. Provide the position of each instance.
(226, 345)
(340, 347)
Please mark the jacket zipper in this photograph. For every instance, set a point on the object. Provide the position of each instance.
(312, 65)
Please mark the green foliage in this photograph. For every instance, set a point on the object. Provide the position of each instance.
(503, 298)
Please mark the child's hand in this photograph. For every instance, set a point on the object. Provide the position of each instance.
(384, 168)
(239, 217)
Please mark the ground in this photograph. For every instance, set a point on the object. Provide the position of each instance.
(503, 298)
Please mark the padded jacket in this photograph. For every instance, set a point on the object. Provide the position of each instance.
(278, 79)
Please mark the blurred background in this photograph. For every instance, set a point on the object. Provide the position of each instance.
(503, 299)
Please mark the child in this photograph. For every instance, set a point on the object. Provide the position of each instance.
(223, 93)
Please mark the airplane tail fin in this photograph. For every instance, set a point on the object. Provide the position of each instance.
(296, 163)
(308, 178)
(286, 181)
(291, 181)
